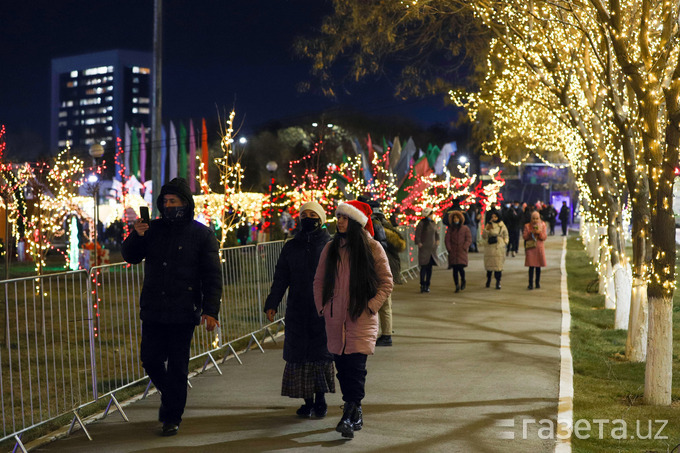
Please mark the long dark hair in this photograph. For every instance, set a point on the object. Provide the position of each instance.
(363, 280)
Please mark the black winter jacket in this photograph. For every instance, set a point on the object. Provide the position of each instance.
(182, 271)
(305, 339)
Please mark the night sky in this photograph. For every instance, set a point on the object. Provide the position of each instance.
(215, 52)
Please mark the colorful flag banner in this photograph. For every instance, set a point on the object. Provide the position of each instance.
(134, 154)
(142, 154)
(173, 152)
(164, 153)
(192, 156)
(183, 151)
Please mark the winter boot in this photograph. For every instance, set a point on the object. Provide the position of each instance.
(488, 278)
(462, 284)
(384, 340)
(346, 423)
(498, 279)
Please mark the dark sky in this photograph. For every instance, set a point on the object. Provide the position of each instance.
(215, 52)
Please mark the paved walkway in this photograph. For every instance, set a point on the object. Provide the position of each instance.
(466, 372)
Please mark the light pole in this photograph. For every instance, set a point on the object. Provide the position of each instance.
(271, 167)
(96, 151)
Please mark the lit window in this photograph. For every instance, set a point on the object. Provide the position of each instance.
(69, 133)
(135, 80)
(135, 110)
(69, 104)
(109, 128)
(108, 98)
(144, 100)
(74, 74)
(63, 114)
(144, 110)
(72, 84)
(61, 143)
(135, 100)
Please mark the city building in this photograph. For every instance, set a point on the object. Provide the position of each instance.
(94, 93)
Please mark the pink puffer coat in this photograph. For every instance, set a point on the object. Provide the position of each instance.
(346, 336)
(535, 257)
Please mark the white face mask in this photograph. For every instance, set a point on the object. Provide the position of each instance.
(456, 222)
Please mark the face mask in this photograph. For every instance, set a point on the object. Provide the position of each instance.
(309, 224)
(507, 205)
(456, 222)
(174, 213)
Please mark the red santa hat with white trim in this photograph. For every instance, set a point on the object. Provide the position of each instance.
(359, 212)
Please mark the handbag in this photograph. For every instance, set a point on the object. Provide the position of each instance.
(492, 239)
(530, 243)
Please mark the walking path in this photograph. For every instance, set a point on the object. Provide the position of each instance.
(467, 373)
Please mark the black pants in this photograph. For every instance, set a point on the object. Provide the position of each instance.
(531, 275)
(426, 273)
(497, 275)
(458, 269)
(171, 343)
(351, 372)
(513, 243)
(565, 225)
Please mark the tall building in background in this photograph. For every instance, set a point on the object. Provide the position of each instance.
(93, 93)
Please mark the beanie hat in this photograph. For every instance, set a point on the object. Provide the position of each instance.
(359, 212)
(316, 207)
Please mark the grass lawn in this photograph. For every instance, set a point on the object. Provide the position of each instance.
(606, 386)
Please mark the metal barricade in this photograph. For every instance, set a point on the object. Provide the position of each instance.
(46, 358)
(72, 339)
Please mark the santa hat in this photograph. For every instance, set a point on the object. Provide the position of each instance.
(359, 212)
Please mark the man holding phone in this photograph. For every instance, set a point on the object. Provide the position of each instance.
(182, 288)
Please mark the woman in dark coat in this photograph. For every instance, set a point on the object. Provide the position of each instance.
(458, 239)
(427, 239)
(309, 366)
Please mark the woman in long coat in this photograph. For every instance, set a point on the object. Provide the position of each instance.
(427, 239)
(458, 239)
(535, 256)
(352, 282)
(496, 236)
(309, 366)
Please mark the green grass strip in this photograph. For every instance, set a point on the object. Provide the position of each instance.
(606, 386)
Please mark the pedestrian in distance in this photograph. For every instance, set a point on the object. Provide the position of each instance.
(352, 282)
(393, 243)
(475, 218)
(535, 234)
(458, 240)
(565, 214)
(182, 288)
(309, 366)
(513, 223)
(496, 236)
(427, 239)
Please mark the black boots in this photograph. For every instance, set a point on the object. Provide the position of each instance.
(462, 284)
(384, 340)
(424, 288)
(306, 410)
(497, 275)
(457, 288)
(352, 420)
(488, 278)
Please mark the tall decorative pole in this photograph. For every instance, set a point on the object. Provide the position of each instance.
(156, 99)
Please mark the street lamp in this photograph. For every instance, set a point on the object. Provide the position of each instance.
(271, 167)
(96, 151)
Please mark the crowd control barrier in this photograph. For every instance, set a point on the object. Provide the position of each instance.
(72, 339)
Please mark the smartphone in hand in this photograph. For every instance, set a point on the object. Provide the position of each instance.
(144, 213)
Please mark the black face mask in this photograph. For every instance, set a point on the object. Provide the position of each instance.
(309, 224)
(174, 214)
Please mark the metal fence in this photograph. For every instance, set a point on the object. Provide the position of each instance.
(72, 339)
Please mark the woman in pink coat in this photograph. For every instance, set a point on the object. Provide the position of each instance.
(534, 258)
(352, 281)
(458, 240)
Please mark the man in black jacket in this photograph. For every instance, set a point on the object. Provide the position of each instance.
(182, 288)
